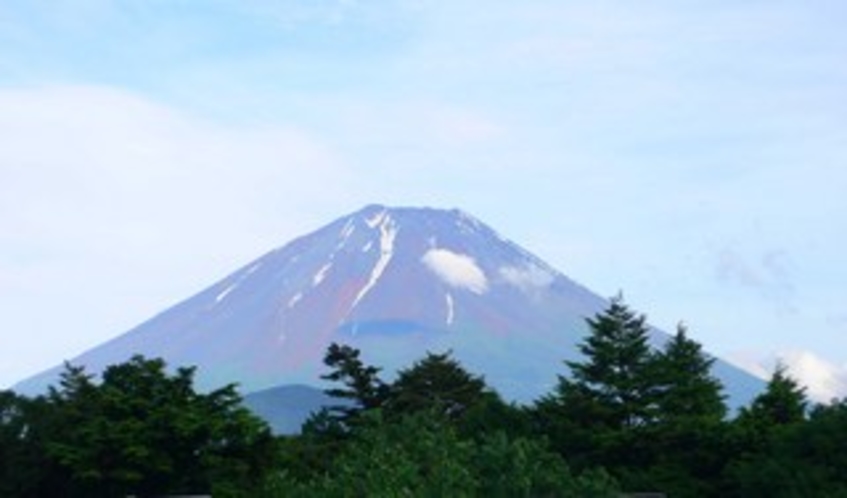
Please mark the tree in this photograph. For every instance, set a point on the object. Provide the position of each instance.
(614, 373)
(595, 417)
(801, 458)
(143, 431)
(422, 454)
(19, 465)
(437, 383)
(783, 402)
(683, 450)
(363, 389)
(687, 391)
(613, 380)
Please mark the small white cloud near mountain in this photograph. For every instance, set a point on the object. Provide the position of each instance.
(824, 380)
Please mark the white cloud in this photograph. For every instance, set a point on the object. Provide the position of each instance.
(824, 380)
(457, 270)
(528, 278)
(113, 207)
(98, 165)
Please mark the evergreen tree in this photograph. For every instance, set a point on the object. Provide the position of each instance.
(783, 402)
(687, 388)
(422, 454)
(20, 469)
(362, 387)
(798, 456)
(683, 451)
(141, 431)
(594, 418)
(615, 375)
(437, 383)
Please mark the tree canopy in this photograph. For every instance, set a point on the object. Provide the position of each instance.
(140, 430)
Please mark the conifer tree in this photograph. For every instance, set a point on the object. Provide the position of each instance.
(362, 386)
(437, 383)
(783, 402)
(614, 378)
(683, 452)
(687, 389)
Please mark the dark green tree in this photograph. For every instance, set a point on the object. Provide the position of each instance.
(783, 402)
(615, 373)
(362, 387)
(801, 458)
(594, 418)
(764, 466)
(21, 469)
(683, 450)
(519, 466)
(687, 390)
(143, 431)
(437, 383)
(421, 454)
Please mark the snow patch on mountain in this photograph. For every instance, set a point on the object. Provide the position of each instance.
(451, 311)
(456, 270)
(295, 299)
(377, 219)
(220, 297)
(348, 230)
(321, 274)
(528, 278)
(387, 235)
(467, 223)
(238, 281)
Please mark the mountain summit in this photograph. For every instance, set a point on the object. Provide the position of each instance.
(393, 282)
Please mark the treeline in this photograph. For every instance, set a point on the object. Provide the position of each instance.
(626, 418)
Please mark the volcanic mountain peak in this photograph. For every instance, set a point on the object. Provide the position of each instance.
(393, 282)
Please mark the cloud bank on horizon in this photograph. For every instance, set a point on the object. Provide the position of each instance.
(692, 156)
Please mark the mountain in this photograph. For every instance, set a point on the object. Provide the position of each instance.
(286, 407)
(393, 282)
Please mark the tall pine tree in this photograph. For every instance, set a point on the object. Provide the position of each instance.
(615, 377)
(783, 402)
(687, 389)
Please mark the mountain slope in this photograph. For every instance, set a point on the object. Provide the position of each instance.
(394, 282)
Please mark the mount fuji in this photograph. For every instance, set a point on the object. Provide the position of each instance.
(394, 283)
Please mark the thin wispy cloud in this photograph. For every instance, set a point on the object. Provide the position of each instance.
(769, 276)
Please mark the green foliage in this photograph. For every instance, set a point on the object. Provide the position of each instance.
(614, 386)
(655, 419)
(437, 383)
(687, 391)
(18, 461)
(793, 456)
(782, 405)
(610, 393)
(509, 467)
(437, 431)
(142, 431)
(783, 402)
(421, 454)
(362, 388)
(628, 417)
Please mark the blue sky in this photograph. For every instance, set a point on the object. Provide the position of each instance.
(691, 154)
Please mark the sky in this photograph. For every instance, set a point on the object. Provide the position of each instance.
(690, 154)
